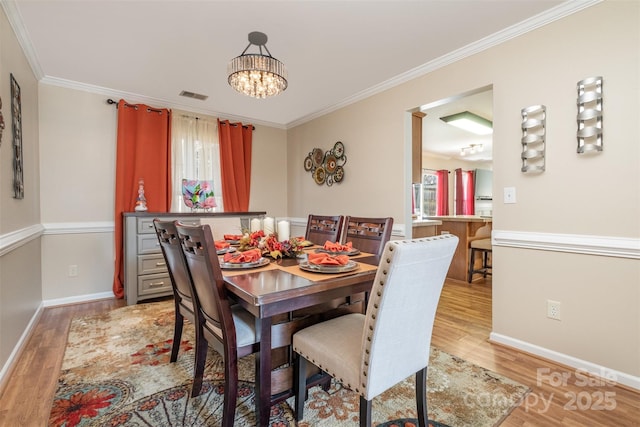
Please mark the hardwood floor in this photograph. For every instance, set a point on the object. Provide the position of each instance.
(462, 328)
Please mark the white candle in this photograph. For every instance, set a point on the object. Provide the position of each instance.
(283, 231)
(268, 226)
(256, 225)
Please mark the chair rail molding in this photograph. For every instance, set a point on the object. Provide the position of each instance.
(79, 227)
(17, 238)
(620, 247)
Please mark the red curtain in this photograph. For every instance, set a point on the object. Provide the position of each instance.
(442, 192)
(235, 164)
(464, 193)
(143, 153)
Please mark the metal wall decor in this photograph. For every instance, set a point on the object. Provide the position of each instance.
(16, 115)
(326, 167)
(534, 127)
(590, 115)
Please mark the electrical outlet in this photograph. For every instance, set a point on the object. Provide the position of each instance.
(73, 270)
(553, 309)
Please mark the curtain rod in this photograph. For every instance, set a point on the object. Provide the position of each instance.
(434, 170)
(235, 124)
(149, 109)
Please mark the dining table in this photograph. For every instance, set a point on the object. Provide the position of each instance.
(279, 289)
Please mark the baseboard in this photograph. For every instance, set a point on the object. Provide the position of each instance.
(77, 299)
(607, 374)
(5, 373)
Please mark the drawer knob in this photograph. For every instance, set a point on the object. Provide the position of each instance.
(160, 264)
(156, 285)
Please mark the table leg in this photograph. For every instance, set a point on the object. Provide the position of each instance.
(263, 382)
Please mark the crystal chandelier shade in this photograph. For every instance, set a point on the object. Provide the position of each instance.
(257, 75)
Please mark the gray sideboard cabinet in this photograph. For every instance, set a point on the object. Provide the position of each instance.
(145, 271)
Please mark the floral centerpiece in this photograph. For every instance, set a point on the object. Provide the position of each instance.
(269, 245)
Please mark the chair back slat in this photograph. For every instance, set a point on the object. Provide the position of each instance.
(368, 234)
(402, 308)
(322, 228)
(173, 256)
(202, 260)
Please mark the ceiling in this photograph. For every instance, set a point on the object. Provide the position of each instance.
(336, 52)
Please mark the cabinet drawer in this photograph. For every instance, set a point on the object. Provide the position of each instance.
(145, 225)
(148, 264)
(148, 244)
(154, 283)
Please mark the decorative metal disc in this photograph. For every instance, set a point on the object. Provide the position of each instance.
(308, 163)
(338, 175)
(338, 149)
(318, 156)
(320, 175)
(331, 163)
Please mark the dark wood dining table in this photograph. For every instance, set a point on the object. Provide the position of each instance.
(280, 288)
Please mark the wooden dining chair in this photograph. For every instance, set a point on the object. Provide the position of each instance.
(322, 228)
(368, 234)
(180, 279)
(228, 328)
(369, 353)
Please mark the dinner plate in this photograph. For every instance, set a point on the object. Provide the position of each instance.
(240, 265)
(225, 250)
(350, 266)
(352, 252)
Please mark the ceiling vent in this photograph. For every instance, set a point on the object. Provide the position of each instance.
(194, 95)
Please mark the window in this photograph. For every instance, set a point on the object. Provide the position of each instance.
(195, 155)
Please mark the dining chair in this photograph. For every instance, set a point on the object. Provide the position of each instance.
(368, 234)
(180, 279)
(369, 353)
(226, 327)
(322, 228)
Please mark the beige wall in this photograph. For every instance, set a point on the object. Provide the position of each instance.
(578, 195)
(20, 288)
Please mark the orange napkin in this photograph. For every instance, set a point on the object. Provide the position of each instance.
(337, 247)
(221, 244)
(232, 236)
(251, 255)
(327, 259)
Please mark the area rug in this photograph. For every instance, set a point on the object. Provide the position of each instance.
(116, 372)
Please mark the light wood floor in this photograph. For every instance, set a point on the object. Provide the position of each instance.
(462, 328)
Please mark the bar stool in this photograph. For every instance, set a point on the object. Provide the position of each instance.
(483, 246)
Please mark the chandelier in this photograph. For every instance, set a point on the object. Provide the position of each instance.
(256, 74)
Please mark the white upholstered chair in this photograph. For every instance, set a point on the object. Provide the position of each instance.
(369, 353)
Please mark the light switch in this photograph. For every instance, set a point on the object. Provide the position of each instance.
(509, 195)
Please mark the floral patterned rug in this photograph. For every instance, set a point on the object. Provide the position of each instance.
(116, 372)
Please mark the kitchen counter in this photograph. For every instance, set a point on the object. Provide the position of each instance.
(424, 228)
(465, 227)
(462, 218)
